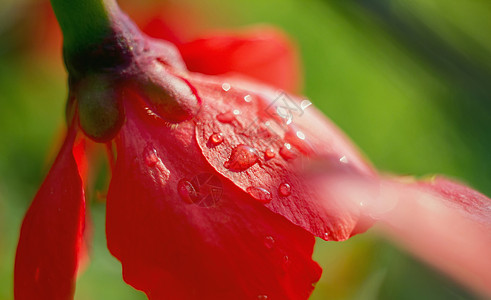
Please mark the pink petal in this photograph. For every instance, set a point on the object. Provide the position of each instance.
(443, 222)
(448, 225)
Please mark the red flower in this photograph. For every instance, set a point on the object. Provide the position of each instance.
(207, 199)
(204, 199)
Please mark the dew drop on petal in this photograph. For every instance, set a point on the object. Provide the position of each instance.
(226, 86)
(325, 235)
(260, 194)
(216, 139)
(236, 112)
(344, 159)
(262, 297)
(284, 190)
(269, 153)
(226, 117)
(298, 139)
(304, 104)
(247, 98)
(269, 242)
(151, 159)
(286, 262)
(286, 151)
(242, 158)
(186, 191)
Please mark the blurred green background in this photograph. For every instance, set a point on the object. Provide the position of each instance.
(409, 81)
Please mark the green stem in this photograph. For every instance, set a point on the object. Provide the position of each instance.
(83, 22)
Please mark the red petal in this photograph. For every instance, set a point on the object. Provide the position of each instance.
(445, 223)
(51, 235)
(467, 200)
(270, 122)
(173, 22)
(265, 54)
(185, 247)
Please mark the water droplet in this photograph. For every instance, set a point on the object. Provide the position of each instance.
(298, 139)
(305, 103)
(344, 159)
(286, 262)
(151, 159)
(186, 191)
(269, 153)
(216, 138)
(284, 190)
(325, 236)
(300, 135)
(362, 204)
(226, 86)
(260, 194)
(262, 297)
(247, 98)
(269, 242)
(226, 117)
(236, 112)
(242, 158)
(286, 152)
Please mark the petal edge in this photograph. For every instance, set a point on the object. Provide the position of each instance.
(51, 237)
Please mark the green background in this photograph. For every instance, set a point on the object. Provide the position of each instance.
(409, 81)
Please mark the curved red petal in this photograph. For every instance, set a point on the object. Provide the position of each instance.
(177, 239)
(443, 222)
(52, 231)
(264, 54)
(287, 133)
(469, 201)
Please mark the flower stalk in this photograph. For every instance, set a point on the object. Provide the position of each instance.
(83, 23)
(92, 36)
